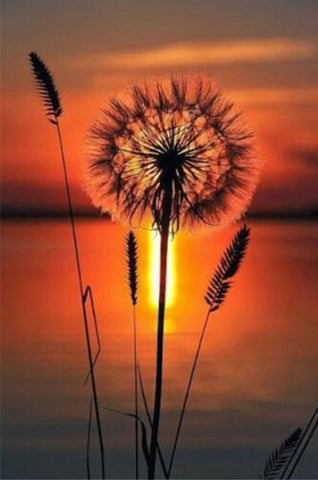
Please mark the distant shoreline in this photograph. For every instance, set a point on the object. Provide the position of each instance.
(308, 215)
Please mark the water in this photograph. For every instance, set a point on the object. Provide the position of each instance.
(257, 376)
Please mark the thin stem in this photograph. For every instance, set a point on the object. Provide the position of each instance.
(187, 393)
(143, 394)
(136, 394)
(82, 293)
(88, 441)
(307, 440)
(89, 294)
(164, 232)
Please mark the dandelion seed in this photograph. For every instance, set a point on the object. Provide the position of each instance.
(179, 136)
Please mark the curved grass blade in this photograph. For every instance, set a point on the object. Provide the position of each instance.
(88, 294)
(144, 442)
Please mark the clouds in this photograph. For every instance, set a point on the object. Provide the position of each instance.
(308, 156)
(195, 54)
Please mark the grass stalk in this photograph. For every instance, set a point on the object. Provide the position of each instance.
(136, 394)
(132, 257)
(83, 302)
(216, 293)
(88, 440)
(303, 444)
(50, 97)
(187, 393)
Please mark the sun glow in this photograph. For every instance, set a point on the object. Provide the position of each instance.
(154, 271)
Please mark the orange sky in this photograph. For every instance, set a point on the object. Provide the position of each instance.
(263, 53)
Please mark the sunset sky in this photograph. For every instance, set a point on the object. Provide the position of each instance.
(264, 53)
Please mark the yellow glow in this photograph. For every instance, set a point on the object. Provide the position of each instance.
(154, 271)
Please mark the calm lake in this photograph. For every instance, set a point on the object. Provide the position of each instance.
(257, 378)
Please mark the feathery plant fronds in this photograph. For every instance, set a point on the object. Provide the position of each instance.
(301, 447)
(217, 290)
(132, 258)
(280, 456)
(45, 85)
(50, 97)
(228, 266)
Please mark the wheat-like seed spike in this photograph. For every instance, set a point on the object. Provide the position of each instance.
(228, 266)
(45, 86)
(280, 456)
(131, 245)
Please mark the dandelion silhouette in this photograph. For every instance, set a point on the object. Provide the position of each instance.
(173, 153)
(178, 142)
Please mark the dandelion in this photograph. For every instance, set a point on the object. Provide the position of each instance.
(176, 142)
(172, 153)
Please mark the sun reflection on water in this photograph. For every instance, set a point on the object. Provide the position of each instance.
(154, 272)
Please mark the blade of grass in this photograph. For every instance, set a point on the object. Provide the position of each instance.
(144, 443)
(89, 294)
(88, 441)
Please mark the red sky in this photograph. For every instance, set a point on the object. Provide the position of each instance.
(264, 54)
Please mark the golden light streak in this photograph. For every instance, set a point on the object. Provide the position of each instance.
(154, 274)
(204, 53)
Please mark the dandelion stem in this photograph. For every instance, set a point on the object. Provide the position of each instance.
(164, 232)
(83, 300)
(143, 394)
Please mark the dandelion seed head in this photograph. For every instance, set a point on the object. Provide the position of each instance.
(178, 135)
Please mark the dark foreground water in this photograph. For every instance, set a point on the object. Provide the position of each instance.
(257, 378)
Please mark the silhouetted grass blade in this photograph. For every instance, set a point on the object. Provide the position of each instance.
(49, 95)
(88, 294)
(216, 293)
(132, 257)
(228, 266)
(144, 442)
(280, 456)
(46, 86)
(88, 440)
